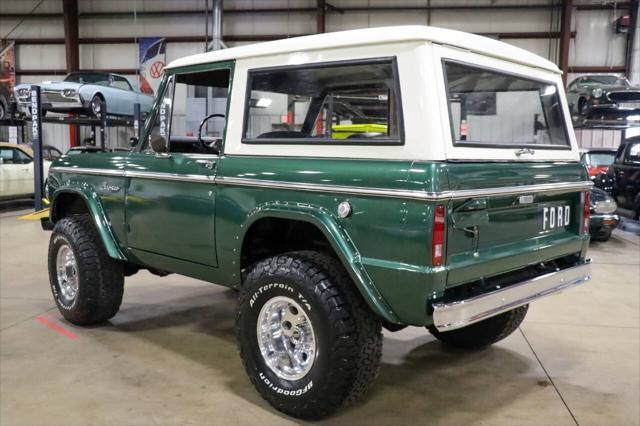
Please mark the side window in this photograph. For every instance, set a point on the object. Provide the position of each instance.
(53, 154)
(634, 153)
(20, 157)
(198, 111)
(159, 128)
(352, 102)
(491, 108)
(121, 83)
(6, 155)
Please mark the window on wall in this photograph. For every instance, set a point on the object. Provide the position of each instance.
(491, 108)
(352, 102)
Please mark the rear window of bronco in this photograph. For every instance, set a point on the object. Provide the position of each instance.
(340, 102)
(490, 108)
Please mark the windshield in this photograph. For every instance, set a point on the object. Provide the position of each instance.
(489, 108)
(607, 80)
(597, 159)
(93, 78)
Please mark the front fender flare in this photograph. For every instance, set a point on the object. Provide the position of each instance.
(340, 242)
(94, 205)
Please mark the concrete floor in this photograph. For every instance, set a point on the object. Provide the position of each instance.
(169, 356)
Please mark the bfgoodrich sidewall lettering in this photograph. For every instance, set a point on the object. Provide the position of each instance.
(265, 377)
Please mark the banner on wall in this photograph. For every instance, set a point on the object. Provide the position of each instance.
(7, 73)
(152, 62)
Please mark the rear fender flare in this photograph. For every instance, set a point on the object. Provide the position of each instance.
(92, 201)
(342, 245)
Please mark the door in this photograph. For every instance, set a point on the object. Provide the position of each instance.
(170, 206)
(509, 130)
(16, 169)
(627, 174)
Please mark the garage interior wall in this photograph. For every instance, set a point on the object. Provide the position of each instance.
(595, 43)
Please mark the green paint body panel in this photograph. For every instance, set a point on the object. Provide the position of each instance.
(103, 195)
(197, 228)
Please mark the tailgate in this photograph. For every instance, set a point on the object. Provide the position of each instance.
(525, 213)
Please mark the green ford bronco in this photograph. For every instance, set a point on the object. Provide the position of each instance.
(450, 197)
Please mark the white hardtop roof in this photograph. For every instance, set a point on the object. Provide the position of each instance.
(373, 36)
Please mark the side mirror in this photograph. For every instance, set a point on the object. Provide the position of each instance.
(160, 146)
(133, 141)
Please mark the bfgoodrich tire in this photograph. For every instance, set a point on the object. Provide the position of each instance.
(483, 333)
(308, 341)
(87, 284)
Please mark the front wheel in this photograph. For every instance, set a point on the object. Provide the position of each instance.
(87, 284)
(483, 333)
(308, 341)
(97, 105)
(583, 107)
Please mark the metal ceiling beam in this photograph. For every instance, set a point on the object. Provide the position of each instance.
(251, 37)
(257, 11)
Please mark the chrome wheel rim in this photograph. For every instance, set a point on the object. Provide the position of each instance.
(67, 272)
(286, 339)
(96, 105)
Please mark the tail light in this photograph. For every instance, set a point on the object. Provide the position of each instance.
(437, 236)
(586, 206)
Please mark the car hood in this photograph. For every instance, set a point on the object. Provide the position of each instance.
(53, 85)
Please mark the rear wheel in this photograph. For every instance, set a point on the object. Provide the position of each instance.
(87, 284)
(308, 341)
(602, 236)
(483, 333)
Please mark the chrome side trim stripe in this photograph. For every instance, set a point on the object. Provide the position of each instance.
(135, 174)
(169, 176)
(88, 171)
(556, 188)
(548, 188)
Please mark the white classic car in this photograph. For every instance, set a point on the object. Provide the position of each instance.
(86, 92)
(16, 171)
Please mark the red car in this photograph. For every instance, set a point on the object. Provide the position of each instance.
(598, 160)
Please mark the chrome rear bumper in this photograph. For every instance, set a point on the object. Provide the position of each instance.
(450, 316)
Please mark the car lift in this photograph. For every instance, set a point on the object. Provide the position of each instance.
(34, 124)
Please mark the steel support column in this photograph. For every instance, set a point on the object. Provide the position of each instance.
(565, 38)
(70, 10)
(72, 49)
(321, 16)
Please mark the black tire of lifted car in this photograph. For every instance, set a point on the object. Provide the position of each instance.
(601, 236)
(483, 333)
(348, 334)
(100, 278)
(3, 111)
(583, 106)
